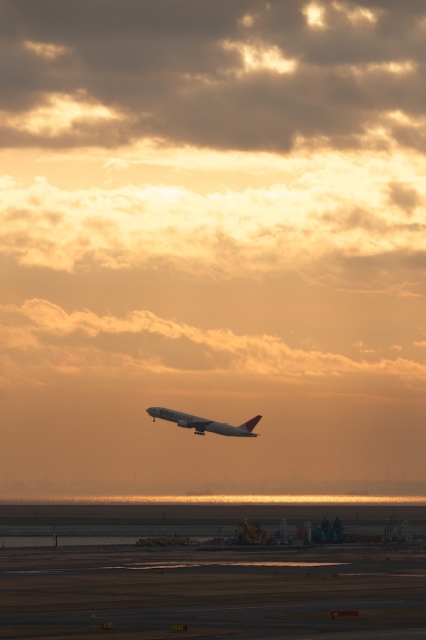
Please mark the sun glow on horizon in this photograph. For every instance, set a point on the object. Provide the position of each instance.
(258, 499)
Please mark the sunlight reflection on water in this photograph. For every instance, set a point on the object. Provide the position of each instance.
(224, 499)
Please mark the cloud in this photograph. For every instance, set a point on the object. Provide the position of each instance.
(251, 76)
(329, 218)
(45, 50)
(260, 57)
(404, 196)
(40, 338)
(315, 15)
(61, 113)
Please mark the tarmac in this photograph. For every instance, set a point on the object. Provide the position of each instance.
(277, 592)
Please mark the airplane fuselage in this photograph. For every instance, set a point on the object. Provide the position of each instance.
(201, 425)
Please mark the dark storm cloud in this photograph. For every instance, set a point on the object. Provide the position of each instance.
(163, 67)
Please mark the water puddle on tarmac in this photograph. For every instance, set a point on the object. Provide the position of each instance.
(255, 563)
(149, 566)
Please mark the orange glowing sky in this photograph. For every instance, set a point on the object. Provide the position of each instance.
(219, 208)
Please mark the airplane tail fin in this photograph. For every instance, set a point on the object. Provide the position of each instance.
(250, 424)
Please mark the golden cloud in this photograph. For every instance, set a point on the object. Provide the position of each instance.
(261, 56)
(326, 204)
(60, 113)
(314, 14)
(39, 337)
(45, 49)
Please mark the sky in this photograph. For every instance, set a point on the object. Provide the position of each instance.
(216, 207)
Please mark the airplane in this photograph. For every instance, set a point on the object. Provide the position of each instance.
(201, 425)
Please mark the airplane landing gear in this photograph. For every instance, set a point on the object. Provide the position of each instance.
(199, 433)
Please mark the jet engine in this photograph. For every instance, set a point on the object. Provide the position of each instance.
(183, 423)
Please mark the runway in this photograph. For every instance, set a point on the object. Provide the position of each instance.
(251, 621)
(256, 595)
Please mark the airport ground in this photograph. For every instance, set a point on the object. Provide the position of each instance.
(278, 592)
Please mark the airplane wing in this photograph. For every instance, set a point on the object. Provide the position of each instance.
(200, 425)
